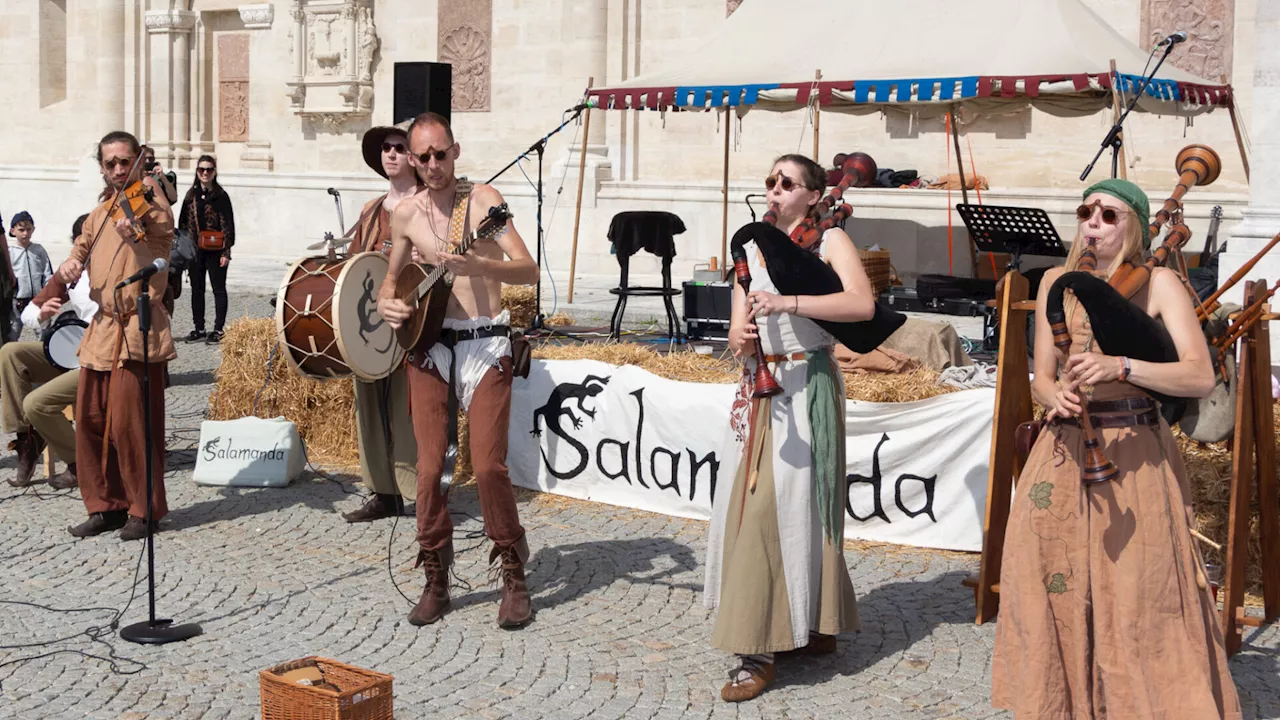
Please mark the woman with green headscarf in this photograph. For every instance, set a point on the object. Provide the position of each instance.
(1101, 614)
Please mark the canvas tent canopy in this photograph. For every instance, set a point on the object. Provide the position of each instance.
(984, 54)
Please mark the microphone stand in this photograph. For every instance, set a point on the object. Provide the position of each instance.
(1113, 139)
(539, 147)
(747, 200)
(337, 201)
(153, 631)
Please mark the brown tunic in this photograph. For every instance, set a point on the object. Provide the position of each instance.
(109, 261)
(374, 232)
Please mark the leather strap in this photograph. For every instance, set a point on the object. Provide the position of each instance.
(1150, 417)
(451, 448)
(1131, 404)
(461, 207)
(784, 358)
(457, 224)
(453, 337)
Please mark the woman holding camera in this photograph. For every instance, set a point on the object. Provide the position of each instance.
(206, 214)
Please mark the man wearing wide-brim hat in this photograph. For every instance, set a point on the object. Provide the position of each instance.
(388, 451)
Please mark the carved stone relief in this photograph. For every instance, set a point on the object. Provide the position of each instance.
(1210, 26)
(730, 6)
(466, 42)
(333, 46)
(233, 87)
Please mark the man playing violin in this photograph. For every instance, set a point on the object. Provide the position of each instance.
(471, 360)
(129, 230)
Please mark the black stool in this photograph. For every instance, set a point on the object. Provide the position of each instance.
(655, 232)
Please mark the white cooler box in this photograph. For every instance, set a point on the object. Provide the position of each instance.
(249, 452)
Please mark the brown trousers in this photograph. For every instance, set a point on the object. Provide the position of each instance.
(23, 405)
(489, 417)
(118, 481)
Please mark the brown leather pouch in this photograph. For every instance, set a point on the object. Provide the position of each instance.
(521, 355)
(1024, 438)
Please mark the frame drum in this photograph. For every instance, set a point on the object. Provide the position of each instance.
(327, 318)
(62, 341)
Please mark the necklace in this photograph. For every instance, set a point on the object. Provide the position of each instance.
(442, 243)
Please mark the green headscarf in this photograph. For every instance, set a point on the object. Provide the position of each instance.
(1131, 195)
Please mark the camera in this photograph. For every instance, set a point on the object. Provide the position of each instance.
(149, 164)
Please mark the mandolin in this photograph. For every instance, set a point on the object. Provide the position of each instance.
(426, 288)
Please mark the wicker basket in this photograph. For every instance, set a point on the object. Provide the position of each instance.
(362, 694)
(876, 265)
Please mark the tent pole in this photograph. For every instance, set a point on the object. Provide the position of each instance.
(582, 175)
(724, 234)
(817, 113)
(964, 186)
(1115, 116)
(1235, 126)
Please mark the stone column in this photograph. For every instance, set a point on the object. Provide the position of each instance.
(586, 23)
(169, 129)
(108, 59)
(1262, 217)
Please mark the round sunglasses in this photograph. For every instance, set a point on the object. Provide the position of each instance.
(398, 147)
(1110, 216)
(773, 180)
(439, 155)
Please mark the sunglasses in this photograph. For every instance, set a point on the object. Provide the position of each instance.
(439, 155)
(773, 180)
(113, 164)
(398, 147)
(1110, 216)
(205, 170)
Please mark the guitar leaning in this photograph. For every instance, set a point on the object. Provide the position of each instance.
(426, 288)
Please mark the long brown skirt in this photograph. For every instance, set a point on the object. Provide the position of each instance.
(1100, 612)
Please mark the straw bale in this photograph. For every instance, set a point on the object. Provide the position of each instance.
(324, 411)
(1209, 475)
(521, 300)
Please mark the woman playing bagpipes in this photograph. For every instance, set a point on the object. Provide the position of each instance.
(1104, 611)
(775, 566)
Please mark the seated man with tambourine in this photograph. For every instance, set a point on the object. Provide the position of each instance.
(34, 413)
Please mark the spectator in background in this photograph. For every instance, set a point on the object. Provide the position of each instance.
(167, 180)
(206, 213)
(31, 268)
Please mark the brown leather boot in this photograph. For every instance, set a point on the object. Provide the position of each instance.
(434, 602)
(99, 523)
(29, 445)
(516, 608)
(380, 506)
(65, 480)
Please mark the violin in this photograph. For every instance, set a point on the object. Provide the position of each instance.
(131, 204)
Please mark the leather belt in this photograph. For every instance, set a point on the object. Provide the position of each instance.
(1150, 417)
(450, 338)
(1131, 404)
(784, 358)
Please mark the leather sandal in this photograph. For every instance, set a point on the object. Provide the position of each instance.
(762, 676)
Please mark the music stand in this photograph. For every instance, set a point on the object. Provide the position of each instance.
(1017, 231)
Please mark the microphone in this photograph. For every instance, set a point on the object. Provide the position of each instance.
(333, 192)
(590, 103)
(159, 265)
(1174, 39)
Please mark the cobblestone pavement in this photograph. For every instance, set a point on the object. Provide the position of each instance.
(620, 631)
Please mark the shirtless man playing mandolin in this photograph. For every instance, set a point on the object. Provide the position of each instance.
(473, 355)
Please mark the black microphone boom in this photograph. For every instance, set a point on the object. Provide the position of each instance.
(158, 265)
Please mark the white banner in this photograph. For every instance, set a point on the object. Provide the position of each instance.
(916, 472)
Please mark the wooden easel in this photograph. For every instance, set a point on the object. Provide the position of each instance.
(1253, 464)
(1013, 407)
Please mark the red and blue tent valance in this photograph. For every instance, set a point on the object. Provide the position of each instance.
(901, 91)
